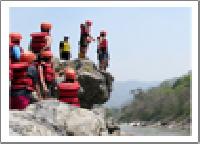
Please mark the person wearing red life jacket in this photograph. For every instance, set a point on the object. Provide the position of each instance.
(15, 38)
(24, 81)
(46, 27)
(14, 50)
(69, 88)
(14, 41)
(103, 51)
(41, 40)
(85, 38)
(47, 74)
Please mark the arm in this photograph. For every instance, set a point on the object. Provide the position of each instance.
(41, 77)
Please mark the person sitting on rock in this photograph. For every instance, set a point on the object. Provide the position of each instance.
(23, 82)
(69, 88)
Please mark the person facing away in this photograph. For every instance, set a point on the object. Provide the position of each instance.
(23, 83)
(69, 88)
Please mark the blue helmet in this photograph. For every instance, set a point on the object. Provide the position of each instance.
(16, 52)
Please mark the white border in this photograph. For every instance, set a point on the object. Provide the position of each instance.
(5, 78)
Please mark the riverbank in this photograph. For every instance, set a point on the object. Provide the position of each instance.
(127, 130)
(141, 128)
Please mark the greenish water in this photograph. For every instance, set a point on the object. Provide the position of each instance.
(154, 131)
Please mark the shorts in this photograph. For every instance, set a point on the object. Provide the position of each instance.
(103, 56)
(65, 55)
(83, 41)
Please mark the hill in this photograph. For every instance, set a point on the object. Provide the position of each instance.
(169, 101)
(121, 92)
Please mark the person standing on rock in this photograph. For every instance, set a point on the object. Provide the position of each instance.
(69, 88)
(65, 49)
(24, 81)
(85, 38)
(46, 27)
(102, 50)
(15, 50)
(47, 74)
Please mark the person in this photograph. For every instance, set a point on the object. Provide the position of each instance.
(41, 40)
(103, 51)
(47, 74)
(69, 88)
(15, 38)
(65, 49)
(15, 50)
(14, 44)
(85, 38)
(46, 27)
(24, 81)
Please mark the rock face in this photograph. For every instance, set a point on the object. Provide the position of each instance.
(96, 85)
(53, 118)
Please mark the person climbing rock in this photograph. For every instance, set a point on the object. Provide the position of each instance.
(69, 88)
(65, 49)
(85, 38)
(47, 74)
(24, 81)
(102, 50)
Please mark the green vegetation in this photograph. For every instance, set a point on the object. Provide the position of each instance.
(169, 101)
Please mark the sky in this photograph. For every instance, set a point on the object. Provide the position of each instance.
(147, 44)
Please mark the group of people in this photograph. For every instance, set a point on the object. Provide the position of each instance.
(32, 73)
(85, 40)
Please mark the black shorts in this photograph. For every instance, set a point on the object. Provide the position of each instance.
(65, 55)
(103, 56)
(83, 41)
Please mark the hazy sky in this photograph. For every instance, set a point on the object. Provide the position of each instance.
(149, 44)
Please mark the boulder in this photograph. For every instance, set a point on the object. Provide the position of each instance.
(96, 85)
(53, 118)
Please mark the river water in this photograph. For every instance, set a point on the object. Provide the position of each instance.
(153, 131)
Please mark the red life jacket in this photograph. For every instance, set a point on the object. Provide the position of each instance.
(38, 41)
(103, 45)
(48, 71)
(20, 79)
(68, 93)
(84, 30)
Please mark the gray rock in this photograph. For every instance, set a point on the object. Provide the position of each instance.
(53, 118)
(96, 85)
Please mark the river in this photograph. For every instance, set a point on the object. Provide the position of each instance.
(153, 131)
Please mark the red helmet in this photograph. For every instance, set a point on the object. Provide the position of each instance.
(46, 25)
(27, 57)
(46, 54)
(70, 74)
(103, 33)
(15, 35)
(88, 22)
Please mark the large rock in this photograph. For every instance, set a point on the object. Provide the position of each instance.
(50, 117)
(96, 85)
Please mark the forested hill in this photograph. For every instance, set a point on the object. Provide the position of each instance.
(169, 101)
